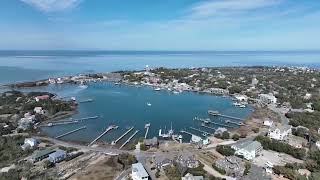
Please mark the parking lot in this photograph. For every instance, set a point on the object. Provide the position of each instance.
(275, 158)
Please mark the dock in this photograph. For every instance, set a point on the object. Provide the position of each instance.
(123, 135)
(208, 127)
(70, 132)
(86, 101)
(102, 134)
(59, 123)
(207, 121)
(129, 139)
(86, 118)
(147, 126)
(216, 113)
(233, 122)
(204, 133)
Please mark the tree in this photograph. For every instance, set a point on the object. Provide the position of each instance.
(236, 137)
(225, 150)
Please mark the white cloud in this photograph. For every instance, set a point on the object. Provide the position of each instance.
(52, 5)
(212, 8)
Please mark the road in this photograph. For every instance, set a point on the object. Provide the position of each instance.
(284, 119)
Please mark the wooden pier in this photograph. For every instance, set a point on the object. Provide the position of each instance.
(208, 127)
(123, 135)
(201, 131)
(129, 139)
(147, 126)
(102, 134)
(216, 113)
(70, 132)
(233, 122)
(210, 122)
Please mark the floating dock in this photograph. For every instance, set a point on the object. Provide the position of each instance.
(129, 139)
(70, 132)
(102, 134)
(123, 135)
(201, 131)
(210, 122)
(216, 113)
(147, 126)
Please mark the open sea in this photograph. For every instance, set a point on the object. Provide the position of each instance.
(126, 106)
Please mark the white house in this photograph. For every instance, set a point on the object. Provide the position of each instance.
(247, 149)
(29, 143)
(38, 110)
(241, 98)
(138, 172)
(268, 123)
(280, 133)
(268, 98)
(189, 176)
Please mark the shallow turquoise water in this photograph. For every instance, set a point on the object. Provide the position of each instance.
(126, 106)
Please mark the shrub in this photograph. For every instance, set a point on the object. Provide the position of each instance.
(225, 150)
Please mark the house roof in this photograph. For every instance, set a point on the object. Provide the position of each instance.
(41, 153)
(57, 154)
(248, 145)
(139, 170)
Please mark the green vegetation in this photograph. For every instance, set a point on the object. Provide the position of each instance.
(199, 171)
(172, 172)
(309, 120)
(247, 168)
(271, 144)
(143, 147)
(10, 150)
(289, 172)
(126, 160)
(224, 135)
(221, 171)
(225, 150)
(236, 137)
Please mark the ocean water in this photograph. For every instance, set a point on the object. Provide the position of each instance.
(127, 106)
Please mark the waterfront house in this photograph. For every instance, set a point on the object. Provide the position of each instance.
(280, 133)
(151, 142)
(267, 99)
(40, 155)
(29, 143)
(38, 110)
(43, 97)
(138, 172)
(189, 176)
(248, 149)
(25, 123)
(57, 156)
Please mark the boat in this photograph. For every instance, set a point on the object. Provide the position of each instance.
(213, 113)
(242, 106)
(157, 89)
(236, 104)
(175, 92)
(149, 104)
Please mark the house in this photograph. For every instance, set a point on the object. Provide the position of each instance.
(187, 160)
(57, 156)
(151, 142)
(25, 123)
(268, 123)
(189, 176)
(280, 133)
(40, 155)
(38, 110)
(247, 149)
(163, 161)
(241, 98)
(267, 98)
(234, 166)
(43, 97)
(29, 143)
(138, 172)
(318, 144)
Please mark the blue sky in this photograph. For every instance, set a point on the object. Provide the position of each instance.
(160, 24)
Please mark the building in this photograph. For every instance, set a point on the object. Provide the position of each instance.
(241, 98)
(247, 149)
(189, 176)
(318, 144)
(40, 155)
(187, 160)
(267, 99)
(26, 122)
(234, 166)
(29, 143)
(268, 123)
(38, 110)
(138, 172)
(43, 97)
(280, 133)
(151, 142)
(57, 156)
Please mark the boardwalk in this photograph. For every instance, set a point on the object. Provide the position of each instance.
(70, 132)
(102, 134)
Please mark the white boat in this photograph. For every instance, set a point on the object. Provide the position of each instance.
(236, 104)
(149, 104)
(175, 92)
(157, 89)
(242, 106)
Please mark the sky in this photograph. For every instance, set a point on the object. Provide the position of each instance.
(160, 24)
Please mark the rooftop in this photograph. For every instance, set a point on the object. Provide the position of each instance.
(139, 170)
(247, 145)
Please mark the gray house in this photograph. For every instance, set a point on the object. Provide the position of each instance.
(57, 156)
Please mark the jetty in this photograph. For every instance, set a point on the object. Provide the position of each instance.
(86, 101)
(204, 133)
(59, 123)
(208, 127)
(70, 132)
(233, 122)
(102, 134)
(216, 113)
(147, 126)
(86, 118)
(129, 139)
(207, 121)
(123, 135)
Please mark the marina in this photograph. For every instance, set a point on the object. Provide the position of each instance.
(204, 133)
(129, 139)
(70, 132)
(208, 121)
(102, 134)
(122, 136)
(216, 113)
